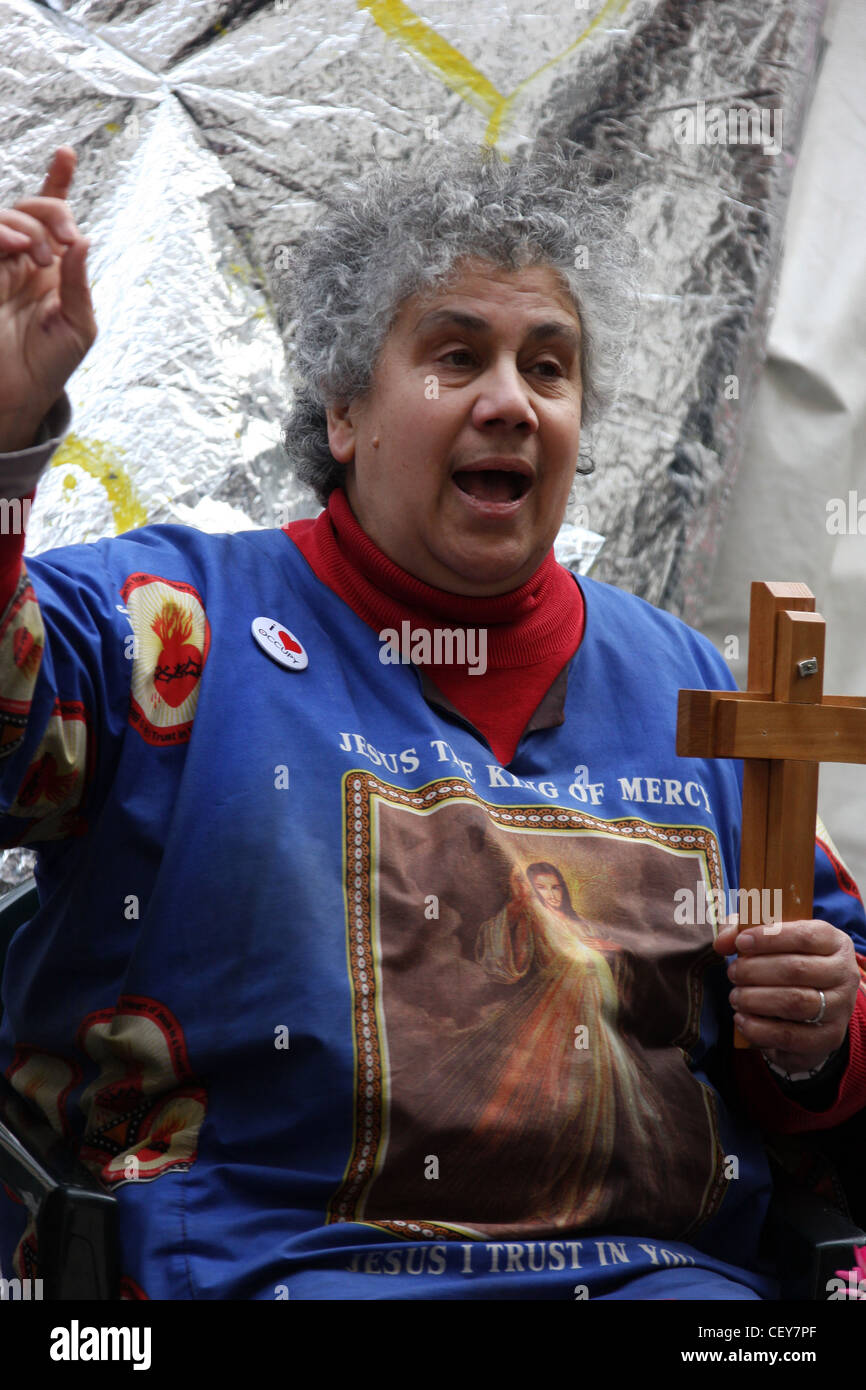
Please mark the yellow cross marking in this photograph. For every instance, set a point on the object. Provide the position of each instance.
(447, 62)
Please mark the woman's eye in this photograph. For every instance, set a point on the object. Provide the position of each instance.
(457, 352)
(557, 370)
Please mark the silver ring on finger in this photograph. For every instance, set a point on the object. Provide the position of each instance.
(819, 1017)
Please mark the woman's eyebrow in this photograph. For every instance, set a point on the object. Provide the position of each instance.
(554, 328)
(443, 317)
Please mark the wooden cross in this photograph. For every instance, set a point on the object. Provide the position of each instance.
(783, 726)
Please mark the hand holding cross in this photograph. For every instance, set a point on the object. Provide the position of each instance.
(794, 974)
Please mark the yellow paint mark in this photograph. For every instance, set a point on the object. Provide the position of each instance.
(254, 275)
(113, 128)
(103, 462)
(407, 28)
(447, 62)
(69, 482)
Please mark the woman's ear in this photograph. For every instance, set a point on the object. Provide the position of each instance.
(341, 431)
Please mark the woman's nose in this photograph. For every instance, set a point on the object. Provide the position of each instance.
(504, 395)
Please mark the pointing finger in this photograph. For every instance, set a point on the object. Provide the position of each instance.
(60, 173)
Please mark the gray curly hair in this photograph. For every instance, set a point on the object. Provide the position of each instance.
(401, 230)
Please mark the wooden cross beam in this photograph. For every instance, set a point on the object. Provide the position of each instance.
(783, 726)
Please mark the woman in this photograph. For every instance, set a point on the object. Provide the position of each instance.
(240, 844)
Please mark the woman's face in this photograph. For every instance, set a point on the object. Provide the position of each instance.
(475, 405)
(549, 889)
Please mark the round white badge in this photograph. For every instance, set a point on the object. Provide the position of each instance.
(279, 643)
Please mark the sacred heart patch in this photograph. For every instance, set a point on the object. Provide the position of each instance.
(168, 646)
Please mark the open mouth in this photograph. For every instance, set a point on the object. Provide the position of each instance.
(492, 484)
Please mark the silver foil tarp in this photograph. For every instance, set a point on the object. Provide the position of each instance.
(206, 134)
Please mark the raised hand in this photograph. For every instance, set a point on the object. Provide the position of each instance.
(47, 325)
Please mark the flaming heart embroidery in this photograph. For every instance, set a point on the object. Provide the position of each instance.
(179, 664)
(170, 651)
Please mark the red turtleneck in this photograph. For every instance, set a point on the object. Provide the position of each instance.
(531, 633)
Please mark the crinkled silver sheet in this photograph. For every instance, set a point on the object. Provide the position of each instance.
(206, 133)
(577, 548)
